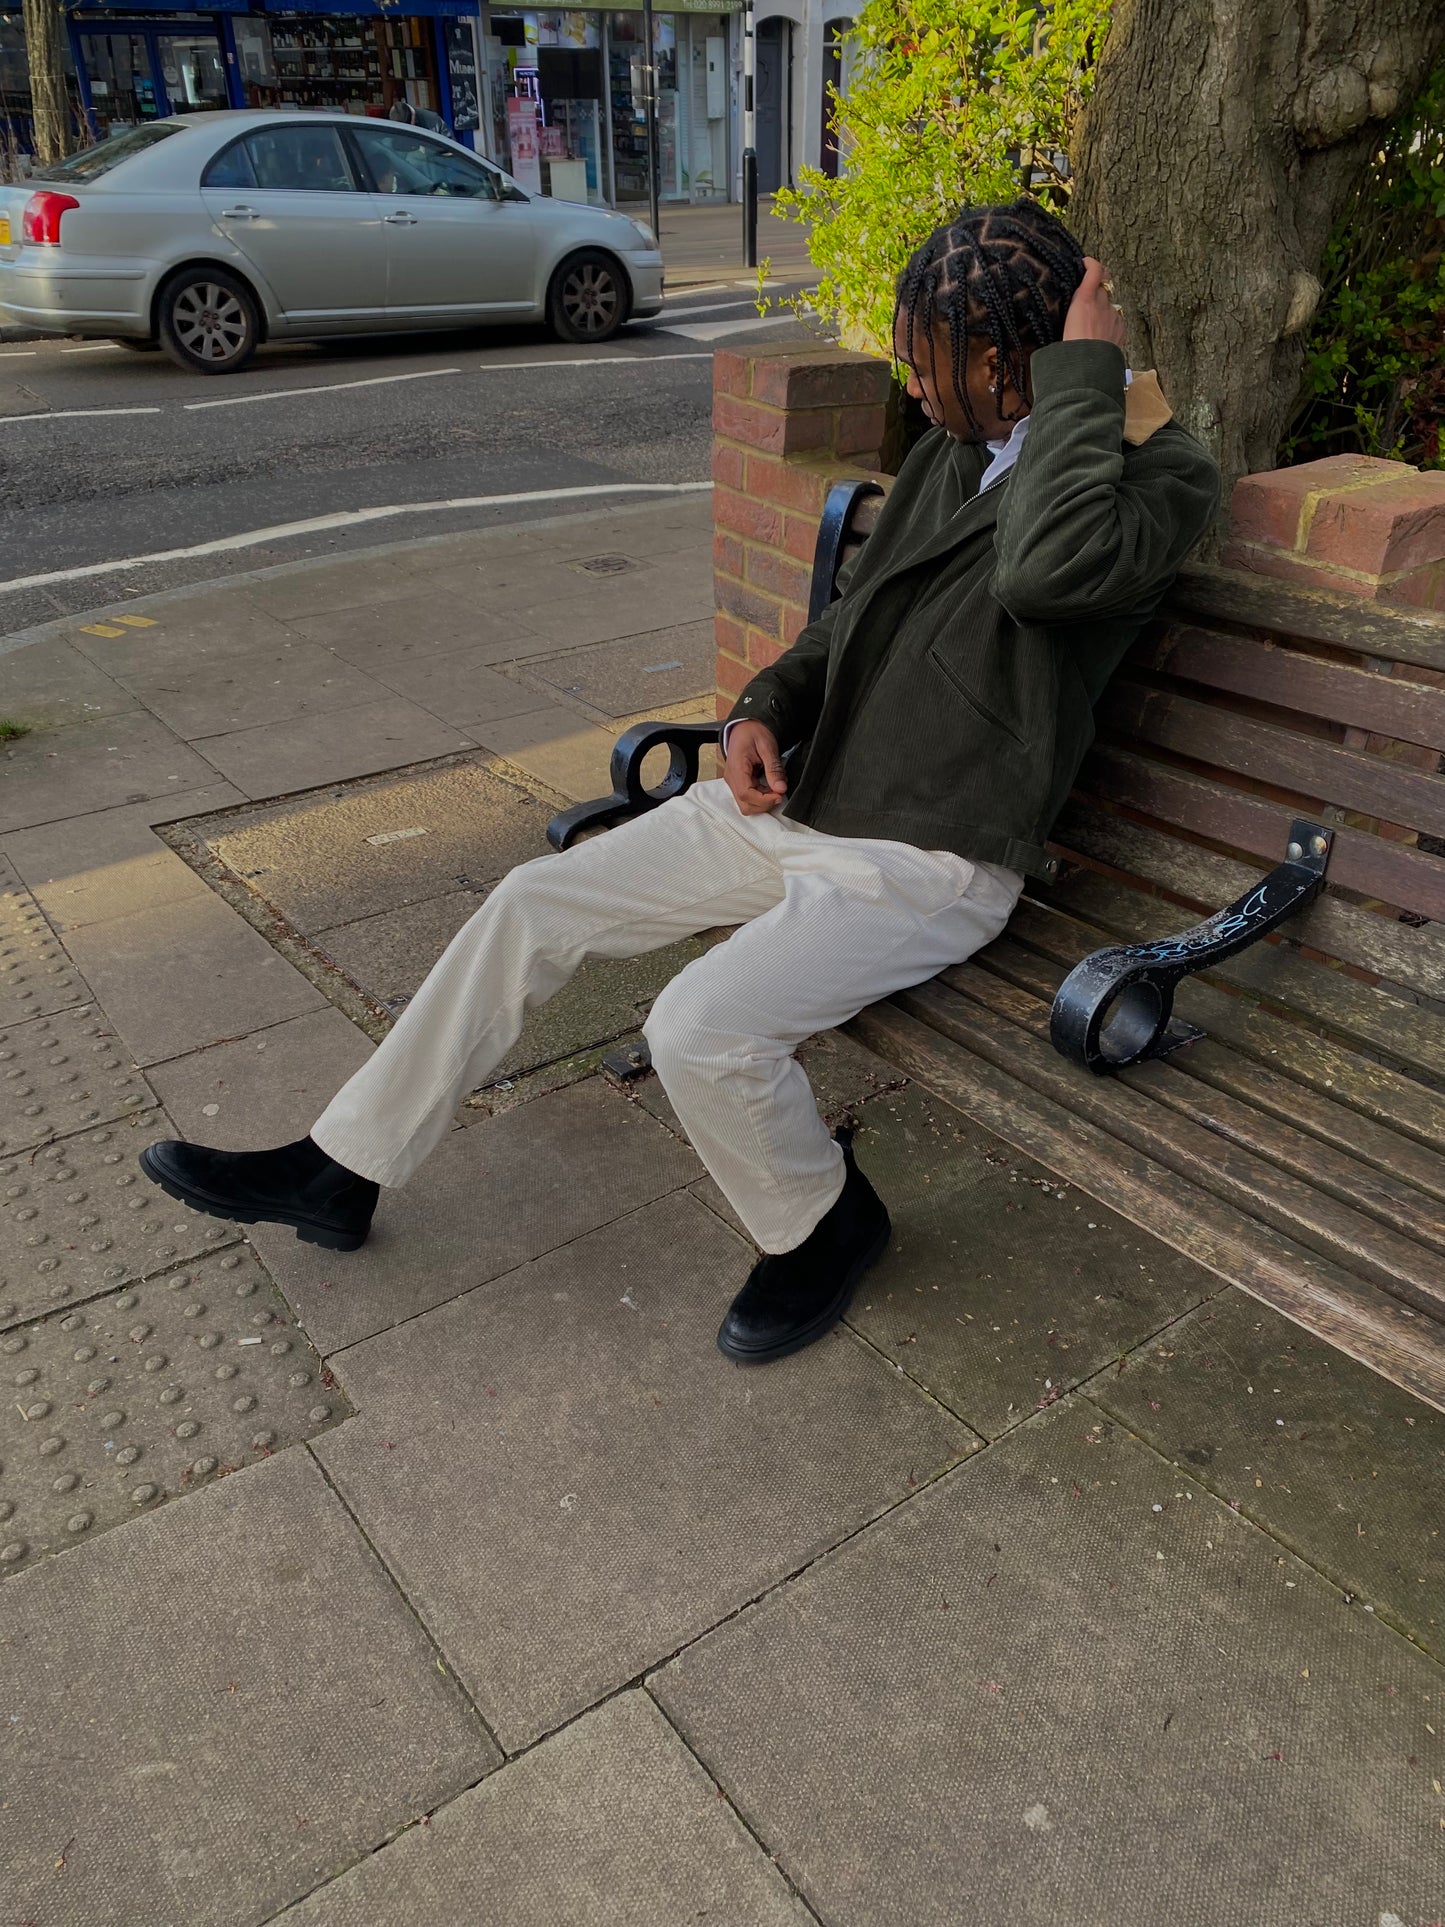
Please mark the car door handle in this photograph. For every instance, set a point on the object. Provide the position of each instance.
(399, 220)
(239, 214)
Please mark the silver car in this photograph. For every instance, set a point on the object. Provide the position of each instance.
(210, 233)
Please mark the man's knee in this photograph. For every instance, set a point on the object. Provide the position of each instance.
(696, 1024)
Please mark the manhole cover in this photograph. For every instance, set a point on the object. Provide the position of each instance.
(607, 565)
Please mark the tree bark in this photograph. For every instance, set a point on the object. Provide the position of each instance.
(45, 56)
(1222, 143)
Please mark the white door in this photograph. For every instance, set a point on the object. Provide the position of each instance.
(455, 246)
(291, 201)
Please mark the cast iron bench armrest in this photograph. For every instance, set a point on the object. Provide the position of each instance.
(1115, 1007)
(630, 797)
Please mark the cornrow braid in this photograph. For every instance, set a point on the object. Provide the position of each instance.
(1003, 274)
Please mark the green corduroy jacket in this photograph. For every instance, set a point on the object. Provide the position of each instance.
(946, 699)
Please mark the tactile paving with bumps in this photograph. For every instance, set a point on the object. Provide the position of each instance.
(148, 1393)
(36, 976)
(77, 1218)
(61, 1073)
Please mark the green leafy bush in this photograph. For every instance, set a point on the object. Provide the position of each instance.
(1374, 378)
(951, 102)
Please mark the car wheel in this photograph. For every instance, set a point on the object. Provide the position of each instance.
(589, 298)
(136, 347)
(207, 321)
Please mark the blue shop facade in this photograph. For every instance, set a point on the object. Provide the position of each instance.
(555, 97)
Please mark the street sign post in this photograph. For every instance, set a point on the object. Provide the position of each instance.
(650, 81)
(750, 141)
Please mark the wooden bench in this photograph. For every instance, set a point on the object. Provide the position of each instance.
(1284, 1122)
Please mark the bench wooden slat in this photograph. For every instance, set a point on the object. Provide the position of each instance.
(1360, 1320)
(1362, 1013)
(1215, 1163)
(1310, 766)
(1332, 1121)
(1375, 866)
(1212, 594)
(1376, 1194)
(1413, 712)
(1398, 952)
(1317, 1062)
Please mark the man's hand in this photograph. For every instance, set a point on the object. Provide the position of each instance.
(1093, 314)
(754, 769)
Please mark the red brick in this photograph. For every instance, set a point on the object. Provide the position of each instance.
(795, 621)
(730, 635)
(792, 485)
(860, 431)
(731, 373)
(727, 465)
(800, 537)
(1293, 568)
(1268, 507)
(727, 554)
(779, 575)
(732, 675)
(750, 423)
(1394, 525)
(759, 611)
(821, 379)
(1420, 589)
(763, 651)
(724, 709)
(743, 516)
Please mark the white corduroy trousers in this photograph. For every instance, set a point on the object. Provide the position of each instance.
(828, 925)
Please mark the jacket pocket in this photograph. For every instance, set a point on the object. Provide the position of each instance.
(974, 701)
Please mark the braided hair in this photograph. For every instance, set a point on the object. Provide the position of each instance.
(1002, 274)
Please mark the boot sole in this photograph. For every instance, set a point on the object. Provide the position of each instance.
(306, 1229)
(826, 1319)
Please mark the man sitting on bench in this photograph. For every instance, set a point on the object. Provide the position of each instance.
(936, 716)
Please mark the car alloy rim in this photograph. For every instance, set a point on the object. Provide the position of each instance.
(589, 298)
(210, 321)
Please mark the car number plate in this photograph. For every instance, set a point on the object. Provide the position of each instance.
(4, 230)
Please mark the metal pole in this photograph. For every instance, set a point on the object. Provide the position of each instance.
(750, 141)
(650, 81)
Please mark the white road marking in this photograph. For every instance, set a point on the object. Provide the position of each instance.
(703, 307)
(720, 330)
(18, 354)
(71, 414)
(350, 518)
(321, 388)
(90, 348)
(595, 361)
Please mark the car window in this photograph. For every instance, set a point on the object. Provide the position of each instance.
(91, 162)
(231, 168)
(299, 159)
(405, 162)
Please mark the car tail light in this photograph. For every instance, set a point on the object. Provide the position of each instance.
(41, 223)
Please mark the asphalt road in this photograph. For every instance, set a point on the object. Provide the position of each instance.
(107, 456)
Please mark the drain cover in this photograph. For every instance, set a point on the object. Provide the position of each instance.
(146, 1394)
(607, 565)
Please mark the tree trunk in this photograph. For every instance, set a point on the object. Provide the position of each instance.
(1222, 143)
(45, 54)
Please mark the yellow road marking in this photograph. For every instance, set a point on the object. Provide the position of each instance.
(101, 629)
(137, 622)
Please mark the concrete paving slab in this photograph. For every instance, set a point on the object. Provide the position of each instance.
(187, 974)
(50, 684)
(36, 977)
(430, 622)
(243, 691)
(77, 1219)
(213, 1710)
(143, 1395)
(323, 860)
(569, 1480)
(91, 868)
(390, 954)
(629, 607)
(95, 766)
(555, 747)
(491, 1197)
(61, 1074)
(619, 678)
(611, 1823)
(1064, 1684)
(265, 1089)
(331, 748)
(1323, 1454)
(183, 633)
(457, 686)
(1001, 1287)
(294, 595)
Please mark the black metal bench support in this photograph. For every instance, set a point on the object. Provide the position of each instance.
(1116, 1007)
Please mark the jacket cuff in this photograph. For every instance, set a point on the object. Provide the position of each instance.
(1062, 365)
(758, 704)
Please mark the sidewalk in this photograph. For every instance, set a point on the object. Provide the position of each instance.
(461, 1581)
(704, 245)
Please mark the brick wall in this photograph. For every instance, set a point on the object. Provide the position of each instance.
(787, 424)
